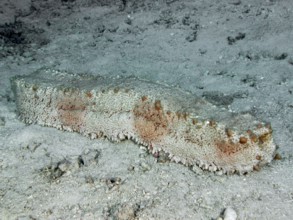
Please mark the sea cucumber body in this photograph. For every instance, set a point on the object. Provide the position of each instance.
(187, 128)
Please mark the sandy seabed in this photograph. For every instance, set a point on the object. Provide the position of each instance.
(236, 54)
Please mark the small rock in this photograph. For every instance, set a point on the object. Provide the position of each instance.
(2, 121)
(64, 165)
(122, 211)
(88, 157)
(239, 36)
(131, 168)
(89, 180)
(126, 212)
(111, 182)
(229, 214)
(281, 56)
(192, 36)
(235, 2)
(128, 20)
(144, 166)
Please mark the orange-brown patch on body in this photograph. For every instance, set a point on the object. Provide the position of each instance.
(158, 105)
(229, 148)
(227, 152)
(71, 112)
(150, 120)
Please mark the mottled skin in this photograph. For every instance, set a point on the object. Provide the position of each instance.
(186, 128)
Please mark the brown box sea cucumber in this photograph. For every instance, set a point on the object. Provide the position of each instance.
(189, 129)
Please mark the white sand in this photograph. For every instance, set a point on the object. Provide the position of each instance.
(49, 174)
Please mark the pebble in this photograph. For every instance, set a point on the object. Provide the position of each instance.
(2, 121)
(230, 214)
(144, 166)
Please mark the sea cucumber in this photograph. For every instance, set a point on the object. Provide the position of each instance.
(166, 120)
